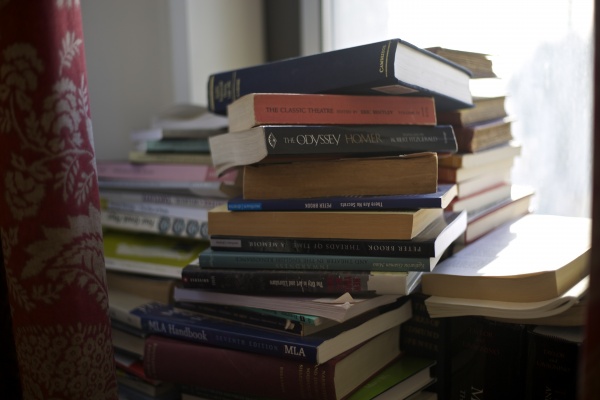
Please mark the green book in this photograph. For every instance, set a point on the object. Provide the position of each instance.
(400, 379)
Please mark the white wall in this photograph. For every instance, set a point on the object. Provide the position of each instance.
(145, 55)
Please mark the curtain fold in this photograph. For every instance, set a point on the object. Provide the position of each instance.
(53, 262)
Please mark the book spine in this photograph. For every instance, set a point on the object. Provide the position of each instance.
(339, 247)
(311, 262)
(190, 228)
(289, 140)
(200, 330)
(359, 68)
(236, 371)
(274, 109)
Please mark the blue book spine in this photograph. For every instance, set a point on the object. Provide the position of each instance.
(439, 199)
(167, 321)
(210, 258)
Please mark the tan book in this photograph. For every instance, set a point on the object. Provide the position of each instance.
(402, 225)
(483, 135)
(468, 160)
(484, 109)
(533, 258)
(409, 174)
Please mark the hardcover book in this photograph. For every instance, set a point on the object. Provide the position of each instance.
(432, 242)
(178, 361)
(378, 176)
(393, 67)
(483, 135)
(185, 325)
(398, 225)
(546, 252)
(484, 109)
(339, 309)
(300, 282)
(441, 198)
(279, 143)
(328, 109)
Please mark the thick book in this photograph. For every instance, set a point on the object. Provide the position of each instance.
(399, 380)
(554, 362)
(393, 67)
(432, 242)
(149, 254)
(399, 225)
(162, 225)
(484, 109)
(371, 176)
(483, 135)
(328, 109)
(238, 371)
(285, 143)
(547, 252)
(482, 157)
(308, 281)
(167, 320)
(144, 285)
(441, 198)
(480, 64)
(339, 309)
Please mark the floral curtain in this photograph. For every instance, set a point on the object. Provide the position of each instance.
(54, 309)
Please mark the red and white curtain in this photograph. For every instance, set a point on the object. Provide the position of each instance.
(56, 336)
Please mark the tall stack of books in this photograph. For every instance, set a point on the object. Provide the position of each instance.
(304, 288)
(486, 153)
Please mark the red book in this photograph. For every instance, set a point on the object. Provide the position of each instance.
(325, 109)
(259, 375)
(161, 172)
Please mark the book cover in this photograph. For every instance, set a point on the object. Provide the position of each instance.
(328, 109)
(278, 143)
(311, 281)
(366, 176)
(554, 362)
(387, 224)
(432, 242)
(546, 252)
(167, 320)
(444, 194)
(238, 371)
(387, 67)
(149, 254)
(339, 309)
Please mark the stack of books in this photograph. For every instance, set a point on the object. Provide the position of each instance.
(305, 285)
(487, 151)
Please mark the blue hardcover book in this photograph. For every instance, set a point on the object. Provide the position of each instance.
(392, 67)
(166, 320)
(439, 199)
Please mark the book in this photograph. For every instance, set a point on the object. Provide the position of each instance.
(153, 287)
(320, 347)
(239, 371)
(461, 174)
(485, 181)
(128, 342)
(338, 309)
(195, 145)
(215, 189)
(482, 199)
(438, 306)
(480, 64)
(140, 157)
(300, 282)
(469, 160)
(441, 198)
(149, 254)
(328, 109)
(108, 169)
(432, 242)
(548, 252)
(399, 380)
(490, 361)
(286, 143)
(483, 135)
(182, 121)
(554, 362)
(124, 198)
(400, 225)
(484, 109)
(393, 67)
(483, 220)
(161, 225)
(163, 210)
(405, 174)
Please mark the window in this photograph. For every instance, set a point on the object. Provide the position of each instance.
(543, 51)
